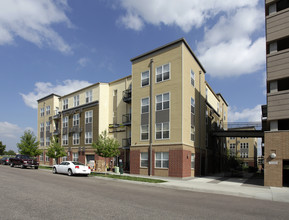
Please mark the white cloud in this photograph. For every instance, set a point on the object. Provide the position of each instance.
(83, 61)
(10, 134)
(32, 21)
(43, 89)
(185, 14)
(246, 115)
(228, 48)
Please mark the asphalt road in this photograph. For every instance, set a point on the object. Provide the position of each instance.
(39, 194)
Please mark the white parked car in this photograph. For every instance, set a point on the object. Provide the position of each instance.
(71, 168)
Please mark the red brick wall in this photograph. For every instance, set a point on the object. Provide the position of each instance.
(81, 157)
(135, 162)
(179, 163)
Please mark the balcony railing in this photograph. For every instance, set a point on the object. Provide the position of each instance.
(126, 95)
(126, 119)
(56, 132)
(57, 116)
(126, 142)
(75, 129)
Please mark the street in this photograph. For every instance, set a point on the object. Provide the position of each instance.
(39, 194)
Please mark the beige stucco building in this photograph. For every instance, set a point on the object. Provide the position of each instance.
(276, 158)
(174, 140)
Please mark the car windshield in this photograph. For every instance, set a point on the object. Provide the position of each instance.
(77, 163)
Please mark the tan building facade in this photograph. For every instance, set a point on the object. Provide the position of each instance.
(276, 158)
(168, 82)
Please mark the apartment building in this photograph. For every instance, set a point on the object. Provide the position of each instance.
(77, 119)
(276, 158)
(169, 104)
(174, 140)
(243, 149)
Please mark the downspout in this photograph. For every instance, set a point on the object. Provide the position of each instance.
(151, 119)
(200, 147)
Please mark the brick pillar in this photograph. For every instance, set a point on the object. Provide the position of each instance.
(134, 161)
(179, 163)
(81, 157)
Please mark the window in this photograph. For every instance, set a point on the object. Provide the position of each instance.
(41, 112)
(192, 78)
(145, 105)
(47, 110)
(162, 101)
(163, 73)
(192, 133)
(76, 100)
(162, 160)
(41, 127)
(75, 138)
(47, 126)
(88, 117)
(145, 78)
(41, 157)
(46, 158)
(88, 96)
(144, 159)
(88, 137)
(192, 161)
(65, 122)
(192, 106)
(64, 139)
(65, 104)
(64, 158)
(41, 142)
(75, 157)
(163, 130)
(144, 132)
(75, 119)
(232, 146)
(47, 143)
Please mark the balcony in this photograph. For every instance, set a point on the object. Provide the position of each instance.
(126, 95)
(57, 116)
(56, 132)
(126, 142)
(126, 119)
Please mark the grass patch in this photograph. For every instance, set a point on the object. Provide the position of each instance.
(131, 178)
(45, 167)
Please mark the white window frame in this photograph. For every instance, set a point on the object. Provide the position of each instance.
(65, 104)
(145, 78)
(162, 130)
(160, 71)
(162, 159)
(193, 104)
(65, 122)
(160, 99)
(41, 127)
(41, 142)
(76, 100)
(193, 156)
(75, 138)
(47, 126)
(144, 158)
(48, 110)
(41, 157)
(146, 105)
(47, 141)
(42, 112)
(64, 139)
(193, 133)
(192, 78)
(76, 119)
(88, 137)
(142, 132)
(46, 158)
(88, 96)
(64, 158)
(75, 157)
(88, 117)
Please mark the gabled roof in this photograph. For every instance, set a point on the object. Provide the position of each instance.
(181, 40)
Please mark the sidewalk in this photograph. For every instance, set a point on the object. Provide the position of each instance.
(242, 187)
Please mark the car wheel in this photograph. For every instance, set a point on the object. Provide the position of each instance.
(11, 165)
(36, 167)
(70, 172)
(54, 171)
(22, 166)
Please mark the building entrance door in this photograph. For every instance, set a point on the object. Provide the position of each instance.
(286, 173)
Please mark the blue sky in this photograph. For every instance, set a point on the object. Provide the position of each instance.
(50, 46)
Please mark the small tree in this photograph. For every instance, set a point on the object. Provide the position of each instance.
(106, 146)
(2, 148)
(28, 144)
(55, 150)
(10, 152)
